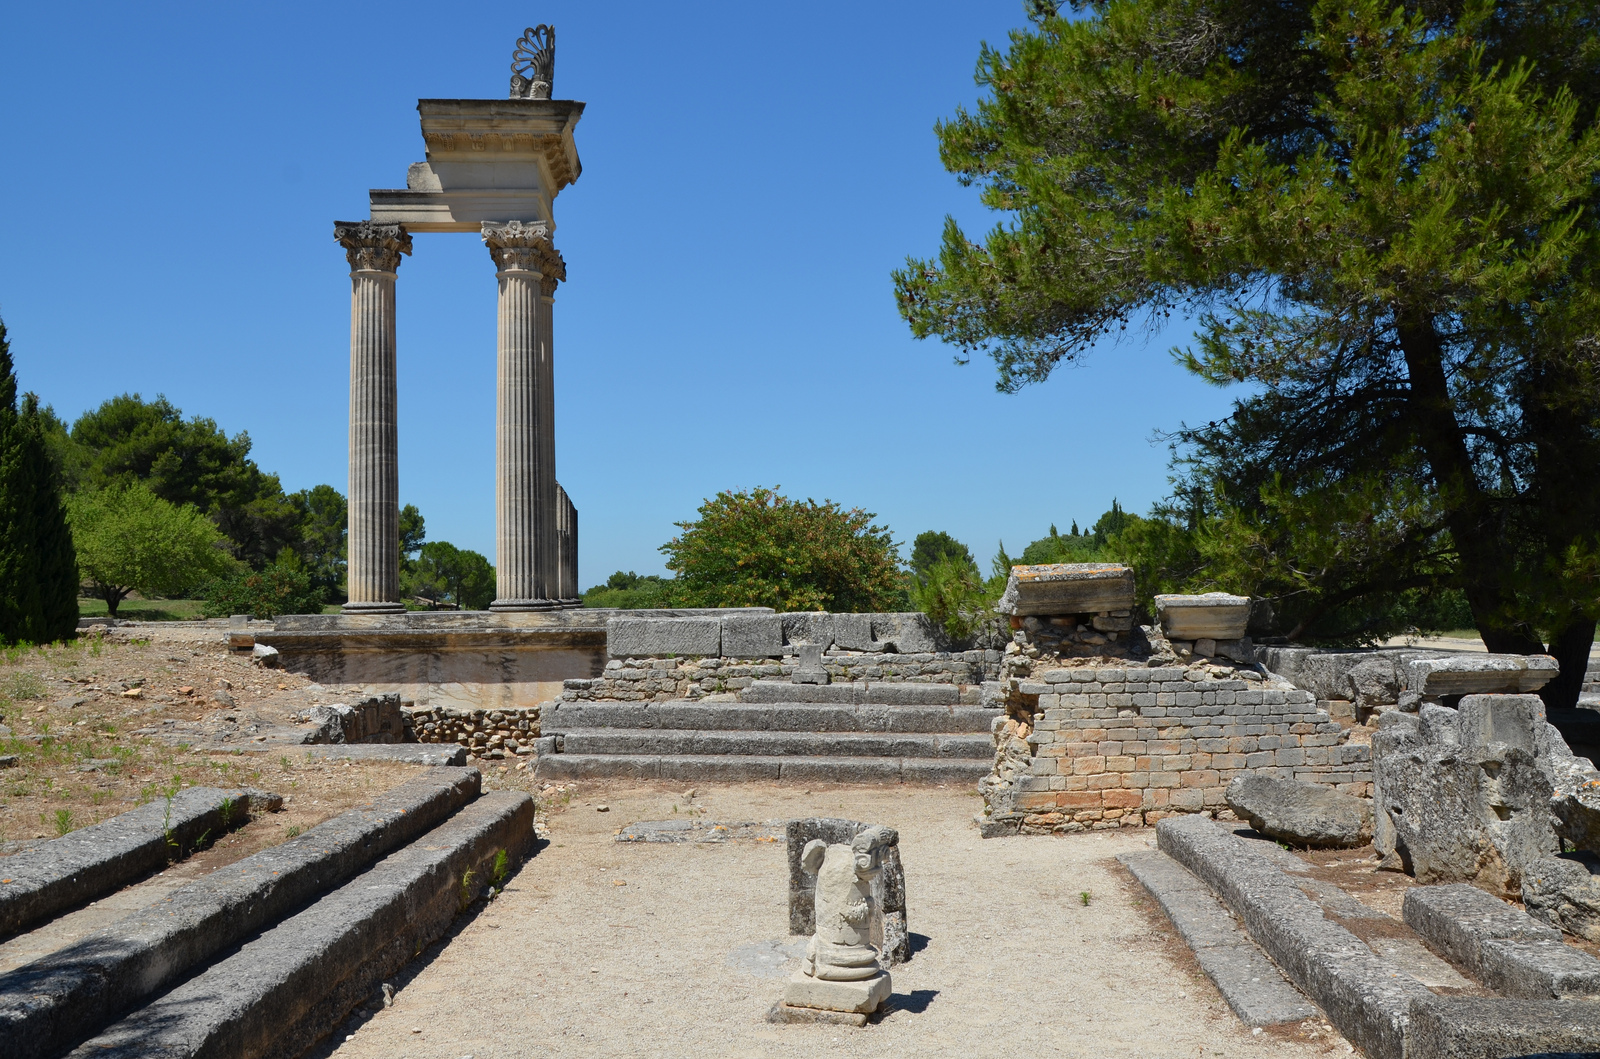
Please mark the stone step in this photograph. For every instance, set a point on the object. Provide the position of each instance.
(767, 717)
(296, 982)
(734, 767)
(679, 742)
(899, 693)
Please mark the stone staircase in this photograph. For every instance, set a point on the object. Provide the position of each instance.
(842, 733)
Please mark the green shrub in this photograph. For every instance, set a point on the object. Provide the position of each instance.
(956, 598)
(279, 588)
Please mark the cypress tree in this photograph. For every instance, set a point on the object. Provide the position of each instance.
(38, 568)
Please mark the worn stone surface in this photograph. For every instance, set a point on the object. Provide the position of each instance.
(1213, 616)
(44, 879)
(862, 997)
(1253, 987)
(842, 969)
(782, 1014)
(55, 1002)
(889, 929)
(910, 632)
(1375, 684)
(752, 636)
(1464, 1027)
(1299, 813)
(853, 632)
(1367, 998)
(1460, 795)
(1498, 944)
(1067, 588)
(1479, 674)
(646, 637)
(294, 983)
(1564, 892)
(814, 627)
(808, 667)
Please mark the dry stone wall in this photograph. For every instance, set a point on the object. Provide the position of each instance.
(1084, 747)
(661, 679)
(492, 734)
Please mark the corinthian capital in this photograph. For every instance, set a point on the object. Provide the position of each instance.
(525, 247)
(372, 247)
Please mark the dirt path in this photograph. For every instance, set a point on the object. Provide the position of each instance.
(606, 949)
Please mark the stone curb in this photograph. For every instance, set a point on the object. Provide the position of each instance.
(1462, 1027)
(1253, 987)
(49, 879)
(51, 1004)
(735, 767)
(292, 985)
(1367, 999)
(439, 754)
(1501, 946)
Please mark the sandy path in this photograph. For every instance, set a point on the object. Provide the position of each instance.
(606, 949)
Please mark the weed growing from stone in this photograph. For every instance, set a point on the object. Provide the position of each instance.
(466, 889)
(502, 864)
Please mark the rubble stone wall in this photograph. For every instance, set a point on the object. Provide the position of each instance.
(661, 679)
(494, 734)
(1085, 748)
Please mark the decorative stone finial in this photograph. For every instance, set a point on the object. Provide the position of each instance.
(533, 64)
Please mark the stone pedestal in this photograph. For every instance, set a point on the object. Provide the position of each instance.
(862, 996)
(526, 550)
(374, 534)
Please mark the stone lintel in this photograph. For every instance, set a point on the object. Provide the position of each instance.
(460, 209)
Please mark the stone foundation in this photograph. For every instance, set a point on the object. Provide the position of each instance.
(663, 679)
(493, 734)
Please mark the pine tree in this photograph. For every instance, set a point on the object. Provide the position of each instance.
(38, 567)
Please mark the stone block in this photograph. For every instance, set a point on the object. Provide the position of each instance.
(853, 632)
(1212, 616)
(910, 632)
(1301, 814)
(865, 996)
(808, 627)
(750, 636)
(1498, 944)
(1475, 674)
(1466, 1027)
(1067, 588)
(658, 637)
(809, 669)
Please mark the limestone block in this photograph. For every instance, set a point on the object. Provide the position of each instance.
(910, 632)
(853, 632)
(865, 996)
(1475, 674)
(1565, 893)
(808, 627)
(889, 889)
(1375, 683)
(752, 636)
(1067, 588)
(658, 637)
(809, 669)
(1212, 616)
(1300, 813)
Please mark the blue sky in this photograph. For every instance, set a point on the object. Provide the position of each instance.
(752, 173)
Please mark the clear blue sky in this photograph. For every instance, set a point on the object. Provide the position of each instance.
(752, 173)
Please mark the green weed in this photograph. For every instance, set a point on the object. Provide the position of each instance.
(1083, 897)
(502, 865)
(466, 889)
(292, 830)
(63, 821)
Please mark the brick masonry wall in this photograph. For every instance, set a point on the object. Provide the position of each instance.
(1085, 748)
(662, 679)
(490, 734)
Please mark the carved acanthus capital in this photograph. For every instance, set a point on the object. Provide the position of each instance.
(372, 247)
(525, 246)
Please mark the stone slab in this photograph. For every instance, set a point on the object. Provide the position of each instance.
(663, 637)
(1251, 984)
(1366, 998)
(786, 1014)
(1466, 1027)
(899, 693)
(438, 754)
(911, 632)
(296, 982)
(1067, 588)
(813, 627)
(739, 767)
(1500, 945)
(54, 1003)
(1213, 616)
(863, 997)
(1479, 674)
(43, 880)
(752, 636)
(788, 743)
(853, 632)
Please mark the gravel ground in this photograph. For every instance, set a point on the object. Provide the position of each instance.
(604, 949)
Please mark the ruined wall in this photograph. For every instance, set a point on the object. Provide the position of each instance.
(1083, 747)
(493, 734)
(661, 679)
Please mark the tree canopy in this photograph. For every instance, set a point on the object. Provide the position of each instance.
(762, 549)
(130, 540)
(38, 568)
(1384, 218)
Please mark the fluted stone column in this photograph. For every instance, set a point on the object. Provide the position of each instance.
(526, 559)
(374, 540)
(567, 549)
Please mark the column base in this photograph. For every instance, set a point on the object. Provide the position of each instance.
(525, 604)
(372, 607)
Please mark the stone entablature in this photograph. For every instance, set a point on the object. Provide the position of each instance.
(1084, 748)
